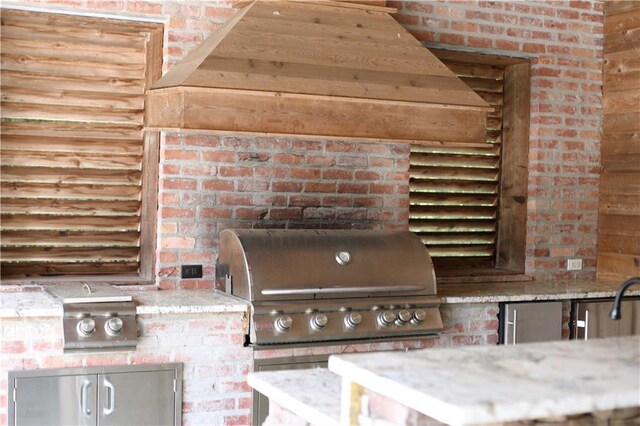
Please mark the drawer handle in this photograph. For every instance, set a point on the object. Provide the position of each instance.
(84, 398)
(514, 324)
(584, 324)
(111, 397)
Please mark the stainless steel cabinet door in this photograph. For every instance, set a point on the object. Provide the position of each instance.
(140, 398)
(591, 319)
(56, 400)
(530, 322)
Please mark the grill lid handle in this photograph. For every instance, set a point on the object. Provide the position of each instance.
(325, 290)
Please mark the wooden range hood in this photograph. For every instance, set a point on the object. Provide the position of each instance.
(317, 68)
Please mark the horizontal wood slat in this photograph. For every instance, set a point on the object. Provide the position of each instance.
(37, 269)
(73, 146)
(70, 223)
(71, 191)
(17, 158)
(65, 207)
(42, 238)
(454, 190)
(70, 175)
(87, 254)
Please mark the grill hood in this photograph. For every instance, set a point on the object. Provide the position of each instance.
(317, 68)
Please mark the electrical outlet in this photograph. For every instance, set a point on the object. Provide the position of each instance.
(574, 264)
(191, 271)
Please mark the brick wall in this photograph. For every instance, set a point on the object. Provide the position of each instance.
(564, 41)
(215, 363)
(210, 183)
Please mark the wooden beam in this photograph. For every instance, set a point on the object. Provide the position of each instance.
(512, 231)
(273, 112)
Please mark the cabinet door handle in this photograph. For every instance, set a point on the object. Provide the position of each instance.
(514, 324)
(84, 398)
(111, 397)
(584, 324)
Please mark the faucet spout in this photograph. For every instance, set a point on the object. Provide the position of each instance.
(615, 313)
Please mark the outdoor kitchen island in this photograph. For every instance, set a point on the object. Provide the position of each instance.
(555, 381)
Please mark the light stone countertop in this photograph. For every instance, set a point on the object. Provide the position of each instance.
(290, 389)
(42, 304)
(529, 291)
(488, 384)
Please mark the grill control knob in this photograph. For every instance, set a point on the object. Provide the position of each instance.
(283, 323)
(386, 318)
(113, 326)
(318, 322)
(86, 326)
(404, 317)
(352, 319)
(418, 316)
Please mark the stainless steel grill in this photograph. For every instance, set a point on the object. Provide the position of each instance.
(332, 285)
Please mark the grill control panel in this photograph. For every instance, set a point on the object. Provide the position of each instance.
(363, 321)
(99, 325)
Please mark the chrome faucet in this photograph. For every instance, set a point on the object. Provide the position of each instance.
(615, 309)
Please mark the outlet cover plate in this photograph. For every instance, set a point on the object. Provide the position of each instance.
(191, 271)
(574, 264)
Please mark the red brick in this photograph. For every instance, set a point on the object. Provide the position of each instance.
(234, 199)
(567, 14)
(235, 171)
(188, 184)
(223, 13)
(195, 285)
(201, 140)
(455, 39)
(319, 187)
(304, 200)
(337, 174)
(339, 147)
(285, 213)
(337, 201)
(217, 185)
(177, 242)
(534, 47)
(13, 347)
(219, 156)
(480, 42)
(179, 154)
(250, 213)
(170, 212)
(286, 187)
(353, 188)
(146, 8)
(309, 174)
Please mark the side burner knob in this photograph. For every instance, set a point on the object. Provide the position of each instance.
(404, 317)
(86, 326)
(283, 323)
(113, 326)
(352, 319)
(418, 316)
(318, 322)
(386, 318)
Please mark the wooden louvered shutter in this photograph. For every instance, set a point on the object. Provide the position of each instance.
(76, 163)
(455, 190)
(468, 203)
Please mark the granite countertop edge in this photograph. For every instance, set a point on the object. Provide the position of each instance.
(529, 291)
(148, 302)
